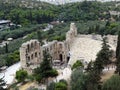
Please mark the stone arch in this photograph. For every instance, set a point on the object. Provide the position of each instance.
(61, 57)
(32, 56)
(28, 47)
(28, 58)
(36, 54)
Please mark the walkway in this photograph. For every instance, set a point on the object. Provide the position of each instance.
(9, 73)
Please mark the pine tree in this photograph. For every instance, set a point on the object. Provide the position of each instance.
(6, 48)
(112, 84)
(89, 67)
(103, 57)
(39, 36)
(93, 78)
(2, 83)
(118, 55)
(45, 69)
(107, 23)
(107, 54)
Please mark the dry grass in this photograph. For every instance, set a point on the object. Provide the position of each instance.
(106, 75)
(27, 85)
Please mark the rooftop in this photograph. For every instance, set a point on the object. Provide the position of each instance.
(4, 21)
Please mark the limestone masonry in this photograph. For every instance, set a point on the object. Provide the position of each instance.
(30, 55)
(31, 52)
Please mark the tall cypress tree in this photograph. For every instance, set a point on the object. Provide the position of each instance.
(93, 78)
(6, 48)
(39, 35)
(103, 57)
(118, 55)
(107, 54)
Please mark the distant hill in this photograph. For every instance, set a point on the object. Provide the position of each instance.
(42, 12)
(70, 1)
(28, 3)
(56, 2)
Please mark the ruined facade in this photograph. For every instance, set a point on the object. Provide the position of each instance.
(30, 55)
(57, 50)
(71, 34)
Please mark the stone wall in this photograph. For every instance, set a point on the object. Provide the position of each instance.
(30, 55)
(51, 48)
(112, 39)
(71, 34)
(57, 50)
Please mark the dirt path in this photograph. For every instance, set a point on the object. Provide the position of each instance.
(107, 75)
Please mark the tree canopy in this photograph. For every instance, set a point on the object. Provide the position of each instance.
(61, 85)
(118, 55)
(2, 84)
(45, 69)
(112, 84)
(21, 75)
(77, 64)
(78, 80)
(103, 57)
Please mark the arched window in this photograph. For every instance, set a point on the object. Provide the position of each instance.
(28, 47)
(32, 56)
(28, 58)
(35, 54)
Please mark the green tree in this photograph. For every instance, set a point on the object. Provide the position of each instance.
(51, 86)
(89, 67)
(45, 69)
(118, 55)
(107, 24)
(103, 57)
(93, 80)
(107, 53)
(78, 80)
(112, 84)
(60, 86)
(39, 35)
(2, 84)
(63, 81)
(6, 48)
(21, 75)
(12, 58)
(94, 69)
(77, 64)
